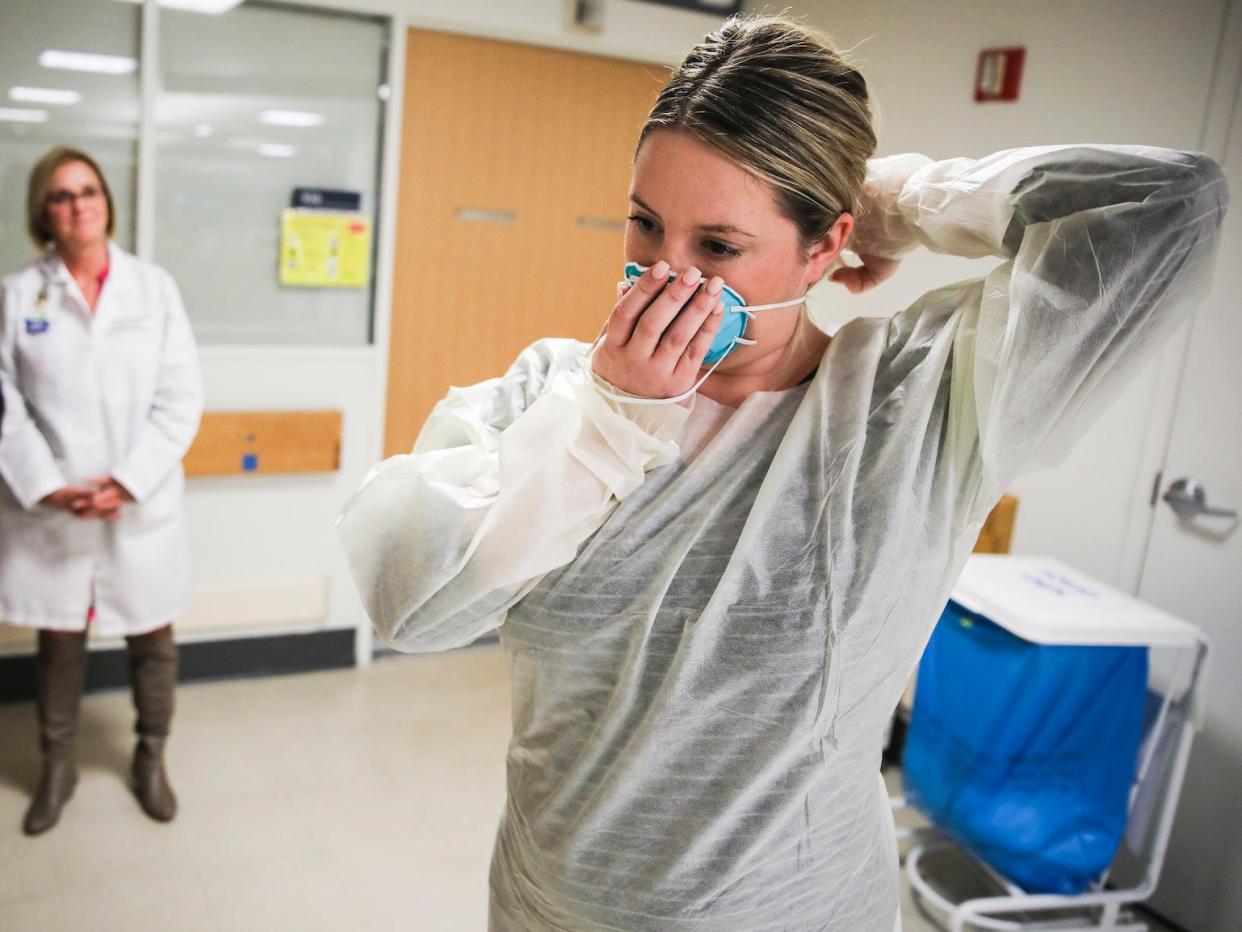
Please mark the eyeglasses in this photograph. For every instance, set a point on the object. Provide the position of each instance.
(63, 198)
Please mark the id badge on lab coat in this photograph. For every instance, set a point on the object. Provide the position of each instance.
(37, 322)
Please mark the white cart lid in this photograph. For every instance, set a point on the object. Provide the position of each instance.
(1042, 600)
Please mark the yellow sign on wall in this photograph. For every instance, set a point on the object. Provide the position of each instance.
(325, 249)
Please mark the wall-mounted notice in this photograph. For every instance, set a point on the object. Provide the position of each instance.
(325, 249)
(326, 199)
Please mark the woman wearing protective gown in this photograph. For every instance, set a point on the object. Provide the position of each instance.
(712, 600)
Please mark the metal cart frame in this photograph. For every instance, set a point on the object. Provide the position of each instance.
(1154, 795)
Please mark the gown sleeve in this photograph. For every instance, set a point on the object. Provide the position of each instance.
(1106, 249)
(506, 480)
(176, 409)
(27, 464)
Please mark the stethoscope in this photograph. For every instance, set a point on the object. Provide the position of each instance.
(45, 272)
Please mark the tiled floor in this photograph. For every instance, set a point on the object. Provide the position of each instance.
(352, 800)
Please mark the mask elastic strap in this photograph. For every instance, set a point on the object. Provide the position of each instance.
(771, 307)
(750, 314)
(632, 400)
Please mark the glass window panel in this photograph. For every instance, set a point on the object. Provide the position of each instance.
(94, 111)
(253, 103)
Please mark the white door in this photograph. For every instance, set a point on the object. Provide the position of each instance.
(1194, 564)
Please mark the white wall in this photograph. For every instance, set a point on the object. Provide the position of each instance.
(1106, 71)
(254, 535)
(641, 31)
(264, 550)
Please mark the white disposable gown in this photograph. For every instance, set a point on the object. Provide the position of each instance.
(704, 654)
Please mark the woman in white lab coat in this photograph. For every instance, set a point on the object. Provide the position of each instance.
(102, 399)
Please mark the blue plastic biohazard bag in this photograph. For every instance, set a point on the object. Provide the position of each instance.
(1025, 753)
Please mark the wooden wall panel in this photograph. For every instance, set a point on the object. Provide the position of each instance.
(231, 443)
(997, 533)
(542, 135)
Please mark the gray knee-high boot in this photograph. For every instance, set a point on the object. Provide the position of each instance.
(153, 677)
(60, 672)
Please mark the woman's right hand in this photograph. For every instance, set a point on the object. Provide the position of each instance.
(71, 498)
(78, 500)
(659, 332)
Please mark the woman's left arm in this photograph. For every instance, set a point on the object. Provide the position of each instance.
(1108, 248)
(176, 409)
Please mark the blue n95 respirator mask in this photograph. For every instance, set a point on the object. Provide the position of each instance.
(731, 334)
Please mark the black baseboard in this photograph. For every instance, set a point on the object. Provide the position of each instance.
(201, 660)
(380, 649)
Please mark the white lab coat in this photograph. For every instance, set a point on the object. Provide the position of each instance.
(114, 393)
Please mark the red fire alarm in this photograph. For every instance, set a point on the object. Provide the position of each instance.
(1000, 74)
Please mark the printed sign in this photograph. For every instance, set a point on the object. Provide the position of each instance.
(325, 249)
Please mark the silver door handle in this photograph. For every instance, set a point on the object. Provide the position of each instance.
(485, 215)
(1189, 499)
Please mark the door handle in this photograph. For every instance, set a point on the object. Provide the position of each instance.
(485, 215)
(1189, 499)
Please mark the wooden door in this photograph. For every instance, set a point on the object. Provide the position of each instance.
(515, 165)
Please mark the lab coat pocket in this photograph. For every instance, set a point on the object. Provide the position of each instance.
(160, 508)
(134, 335)
(45, 535)
(131, 324)
(133, 342)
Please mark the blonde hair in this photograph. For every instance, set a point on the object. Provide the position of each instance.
(41, 180)
(776, 98)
